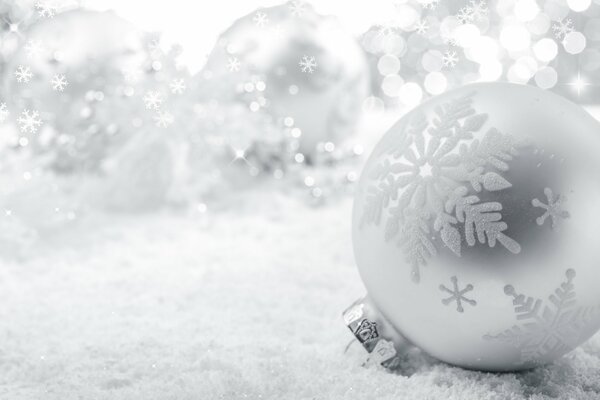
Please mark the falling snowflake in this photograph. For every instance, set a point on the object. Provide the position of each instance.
(260, 19)
(33, 48)
(465, 15)
(554, 209)
(29, 121)
(429, 180)
(132, 75)
(450, 59)
(478, 9)
(386, 30)
(562, 28)
(545, 329)
(153, 100)
(297, 8)
(163, 119)
(46, 9)
(421, 27)
(429, 4)
(3, 112)
(23, 74)
(457, 295)
(233, 64)
(59, 82)
(308, 64)
(177, 86)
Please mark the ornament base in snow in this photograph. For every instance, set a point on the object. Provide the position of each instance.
(474, 227)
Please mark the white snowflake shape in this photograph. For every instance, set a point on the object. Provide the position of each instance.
(542, 328)
(457, 295)
(479, 9)
(29, 121)
(132, 75)
(297, 8)
(554, 209)
(386, 30)
(260, 19)
(562, 28)
(233, 64)
(423, 184)
(163, 119)
(422, 27)
(46, 9)
(33, 48)
(465, 15)
(429, 4)
(450, 59)
(3, 112)
(153, 100)
(23, 74)
(308, 64)
(59, 82)
(177, 86)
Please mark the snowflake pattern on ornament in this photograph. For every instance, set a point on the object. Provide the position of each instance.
(428, 182)
(23, 74)
(260, 19)
(3, 112)
(153, 100)
(59, 82)
(29, 121)
(554, 209)
(545, 329)
(562, 28)
(457, 295)
(308, 64)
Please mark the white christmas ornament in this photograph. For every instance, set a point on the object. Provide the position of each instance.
(291, 64)
(475, 230)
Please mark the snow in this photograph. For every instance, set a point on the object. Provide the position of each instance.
(234, 303)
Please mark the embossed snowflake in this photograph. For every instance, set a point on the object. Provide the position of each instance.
(479, 9)
(428, 182)
(562, 28)
(308, 64)
(457, 295)
(23, 74)
(153, 100)
(554, 209)
(46, 9)
(260, 19)
(465, 15)
(177, 86)
(163, 119)
(29, 121)
(3, 112)
(59, 82)
(233, 64)
(545, 328)
(450, 59)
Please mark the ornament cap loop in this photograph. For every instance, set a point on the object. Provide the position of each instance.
(383, 343)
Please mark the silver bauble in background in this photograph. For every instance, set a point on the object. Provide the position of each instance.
(94, 112)
(475, 226)
(299, 66)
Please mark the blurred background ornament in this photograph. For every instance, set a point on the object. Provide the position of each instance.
(474, 227)
(297, 67)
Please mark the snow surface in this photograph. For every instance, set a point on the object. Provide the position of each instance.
(242, 304)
